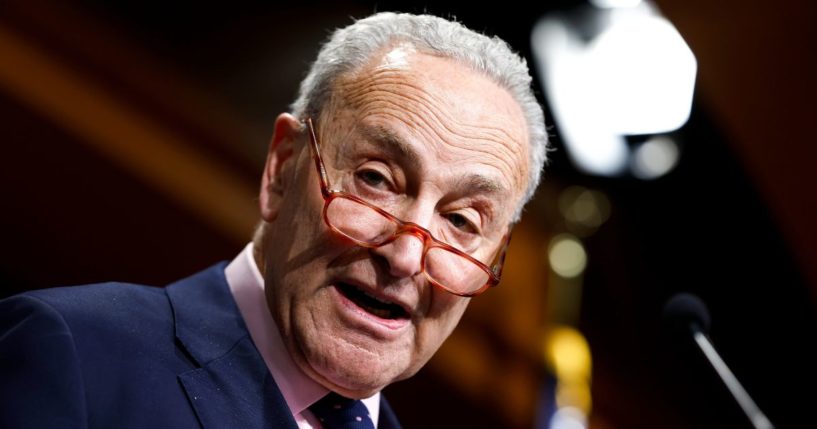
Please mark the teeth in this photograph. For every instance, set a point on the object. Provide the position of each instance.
(372, 304)
(377, 299)
(381, 313)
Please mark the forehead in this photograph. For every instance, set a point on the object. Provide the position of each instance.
(435, 110)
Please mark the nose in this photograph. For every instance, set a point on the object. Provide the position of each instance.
(403, 256)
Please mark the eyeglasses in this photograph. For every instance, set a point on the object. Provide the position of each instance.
(369, 226)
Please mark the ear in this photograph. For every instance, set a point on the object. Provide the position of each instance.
(279, 157)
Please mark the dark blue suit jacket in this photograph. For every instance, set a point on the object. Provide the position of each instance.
(119, 355)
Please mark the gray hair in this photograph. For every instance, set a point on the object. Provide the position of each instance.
(351, 48)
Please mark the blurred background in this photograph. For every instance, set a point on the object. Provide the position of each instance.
(133, 135)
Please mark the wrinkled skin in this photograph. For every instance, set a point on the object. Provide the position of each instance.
(433, 143)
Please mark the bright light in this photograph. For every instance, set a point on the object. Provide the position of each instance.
(593, 149)
(643, 74)
(635, 75)
(568, 353)
(567, 256)
(568, 418)
(655, 158)
(574, 394)
(615, 3)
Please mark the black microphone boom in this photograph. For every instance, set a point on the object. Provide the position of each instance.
(686, 312)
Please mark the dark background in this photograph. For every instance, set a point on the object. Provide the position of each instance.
(134, 134)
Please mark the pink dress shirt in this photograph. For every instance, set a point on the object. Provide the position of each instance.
(247, 286)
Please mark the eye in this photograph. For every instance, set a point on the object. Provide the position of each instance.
(372, 178)
(462, 223)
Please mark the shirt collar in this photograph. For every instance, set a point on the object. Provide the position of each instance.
(247, 286)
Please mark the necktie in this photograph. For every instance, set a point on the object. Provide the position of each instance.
(336, 412)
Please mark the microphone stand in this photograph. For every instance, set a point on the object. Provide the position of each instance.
(758, 419)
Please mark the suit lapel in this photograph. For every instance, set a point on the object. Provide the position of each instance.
(231, 386)
(236, 391)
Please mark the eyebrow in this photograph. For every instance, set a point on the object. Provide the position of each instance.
(393, 143)
(485, 185)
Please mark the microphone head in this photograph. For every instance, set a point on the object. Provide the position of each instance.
(685, 310)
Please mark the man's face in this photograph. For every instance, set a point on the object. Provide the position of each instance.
(431, 142)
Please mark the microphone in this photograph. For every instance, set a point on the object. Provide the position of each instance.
(688, 314)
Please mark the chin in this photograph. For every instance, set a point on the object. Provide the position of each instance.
(357, 371)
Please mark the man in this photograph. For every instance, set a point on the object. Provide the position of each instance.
(386, 201)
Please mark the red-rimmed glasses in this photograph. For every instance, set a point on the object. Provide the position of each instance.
(369, 226)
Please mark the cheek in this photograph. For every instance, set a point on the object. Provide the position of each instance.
(299, 226)
(445, 311)
(294, 242)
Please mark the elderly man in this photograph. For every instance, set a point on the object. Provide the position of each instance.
(386, 202)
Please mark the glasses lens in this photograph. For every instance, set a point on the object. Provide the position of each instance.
(359, 221)
(366, 225)
(454, 272)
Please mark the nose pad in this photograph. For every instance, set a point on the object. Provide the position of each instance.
(403, 256)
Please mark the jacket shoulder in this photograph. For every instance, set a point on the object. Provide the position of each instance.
(100, 307)
(107, 352)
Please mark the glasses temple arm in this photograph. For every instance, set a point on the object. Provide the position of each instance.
(496, 268)
(313, 141)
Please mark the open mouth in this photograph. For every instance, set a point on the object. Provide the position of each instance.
(372, 305)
